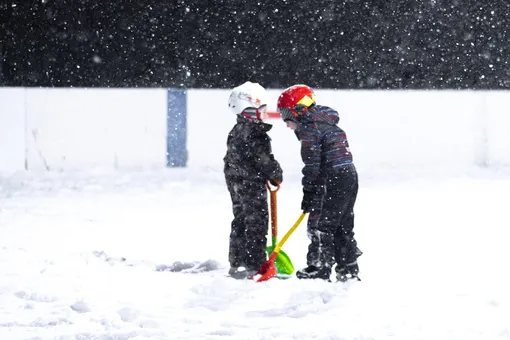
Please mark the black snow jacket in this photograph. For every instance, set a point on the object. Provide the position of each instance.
(249, 155)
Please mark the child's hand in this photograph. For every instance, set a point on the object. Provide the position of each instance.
(311, 202)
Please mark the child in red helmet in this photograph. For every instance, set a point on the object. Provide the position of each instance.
(330, 185)
(249, 163)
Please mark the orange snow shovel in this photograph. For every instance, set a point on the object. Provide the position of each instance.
(283, 263)
(268, 269)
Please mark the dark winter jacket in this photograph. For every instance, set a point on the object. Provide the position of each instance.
(249, 155)
(324, 146)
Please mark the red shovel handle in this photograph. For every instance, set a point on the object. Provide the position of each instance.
(274, 218)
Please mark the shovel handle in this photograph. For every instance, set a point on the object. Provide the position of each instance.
(287, 235)
(274, 218)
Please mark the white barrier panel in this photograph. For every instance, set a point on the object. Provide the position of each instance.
(388, 130)
(409, 129)
(496, 120)
(96, 128)
(12, 129)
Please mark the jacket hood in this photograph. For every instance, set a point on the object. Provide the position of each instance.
(321, 114)
(254, 123)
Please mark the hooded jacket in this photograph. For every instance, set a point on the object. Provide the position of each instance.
(324, 146)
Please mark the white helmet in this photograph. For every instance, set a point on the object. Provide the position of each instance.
(247, 95)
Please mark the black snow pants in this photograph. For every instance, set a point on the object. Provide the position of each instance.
(248, 236)
(331, 229)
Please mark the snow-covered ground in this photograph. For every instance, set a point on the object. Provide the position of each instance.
(78, 254)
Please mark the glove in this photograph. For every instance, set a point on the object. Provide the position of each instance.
(311, 202)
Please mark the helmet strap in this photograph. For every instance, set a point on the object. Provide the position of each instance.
(252, 114)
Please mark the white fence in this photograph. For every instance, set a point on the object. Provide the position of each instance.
(67, 129)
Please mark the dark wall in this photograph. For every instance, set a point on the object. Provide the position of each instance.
(198, 43)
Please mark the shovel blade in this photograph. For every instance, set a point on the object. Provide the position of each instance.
(267, 271)
(284, 266)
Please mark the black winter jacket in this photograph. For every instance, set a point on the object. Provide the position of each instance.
(249, 155)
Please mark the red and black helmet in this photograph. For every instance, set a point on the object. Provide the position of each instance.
(295, 101)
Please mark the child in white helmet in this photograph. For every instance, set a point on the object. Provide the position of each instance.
(249, 163)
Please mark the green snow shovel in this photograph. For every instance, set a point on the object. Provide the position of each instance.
(283, 263)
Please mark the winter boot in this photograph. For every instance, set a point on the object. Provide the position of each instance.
(241, 273)
(313, 272)
(347, 272)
